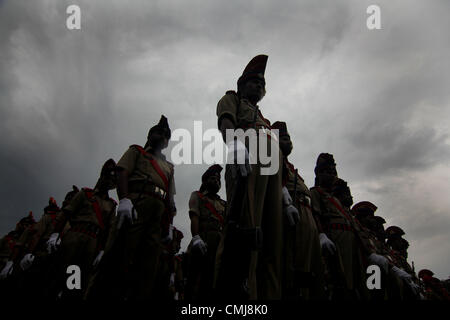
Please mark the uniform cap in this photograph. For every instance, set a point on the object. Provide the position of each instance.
(394, 230)
(214, 169)
(163, 126)
(254, 69)
(107, 166)
(282, 128)
(324, 160)
(425, 272)
(364, 207)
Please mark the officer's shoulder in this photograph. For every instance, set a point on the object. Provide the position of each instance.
(136, 147)
(315, 192)
(229, 97)
(195, 194)
(170, 164)
(301, 179)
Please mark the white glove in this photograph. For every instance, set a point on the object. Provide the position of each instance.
(125, 212)
(169, 237)
(53, 242)
(198, 243)
(172, 279)
(287, 200)
(98, 258)
(238, 154)
(292, 215)
(27, 261)
(326, 244)
(290, 211)
(7, 270)
(380, 261)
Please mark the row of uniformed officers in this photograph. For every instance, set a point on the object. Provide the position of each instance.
(274, 238)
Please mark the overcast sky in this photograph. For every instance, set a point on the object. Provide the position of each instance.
(379, 100)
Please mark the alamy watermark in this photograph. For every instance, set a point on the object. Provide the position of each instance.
(252, 146)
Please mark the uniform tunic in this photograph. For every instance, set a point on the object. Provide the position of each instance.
(261, 206)
(341, 228)
(143, 238)
(89, 231)
(303, 265)
(210, 210)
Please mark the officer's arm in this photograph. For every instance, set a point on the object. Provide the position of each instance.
(315, 207)
(122, 183)
(194, 224)
(226, 123)
(194, 213)
(111, 231)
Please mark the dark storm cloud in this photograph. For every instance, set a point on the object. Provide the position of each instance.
(53, 107)
(378, 100)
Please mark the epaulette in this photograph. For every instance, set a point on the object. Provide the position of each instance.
(231, 92)
(136, 146)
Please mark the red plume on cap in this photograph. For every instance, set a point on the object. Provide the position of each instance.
(30, 214)
(364, 207)
(255, 68)
(52, 201)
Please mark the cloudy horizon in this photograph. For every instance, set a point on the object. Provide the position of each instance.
(377, 99)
